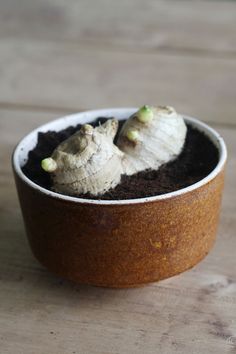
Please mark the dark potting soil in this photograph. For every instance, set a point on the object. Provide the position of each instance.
(197, 159)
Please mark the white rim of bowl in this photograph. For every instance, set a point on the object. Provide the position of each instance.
(86, 116)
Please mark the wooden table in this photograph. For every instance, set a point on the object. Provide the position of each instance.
(58, 57)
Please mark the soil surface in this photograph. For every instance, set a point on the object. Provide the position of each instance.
(197, 159)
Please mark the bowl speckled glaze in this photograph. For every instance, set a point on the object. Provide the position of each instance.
(120, 243)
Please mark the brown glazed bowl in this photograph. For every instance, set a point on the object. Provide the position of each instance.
(120, 243)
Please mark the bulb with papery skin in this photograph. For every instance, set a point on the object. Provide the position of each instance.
(160, 138)
(88, 161)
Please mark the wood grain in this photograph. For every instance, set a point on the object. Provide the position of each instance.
(40, 313)
(201, 27)
(52, 75)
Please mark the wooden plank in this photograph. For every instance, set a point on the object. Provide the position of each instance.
(150, 25)
(40, 313)
(52, 75)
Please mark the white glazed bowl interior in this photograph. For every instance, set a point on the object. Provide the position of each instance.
(20, 154)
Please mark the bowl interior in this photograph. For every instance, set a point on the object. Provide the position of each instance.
(20, 154)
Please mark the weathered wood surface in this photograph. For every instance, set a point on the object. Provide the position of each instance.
(133, 24)
(52, 75)
(75, 54)
(40, 313)
(61, 56)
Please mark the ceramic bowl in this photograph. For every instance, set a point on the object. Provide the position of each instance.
(120, 243)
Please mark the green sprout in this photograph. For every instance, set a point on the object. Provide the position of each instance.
(145, 114)
(132, 135)
(49, 165)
